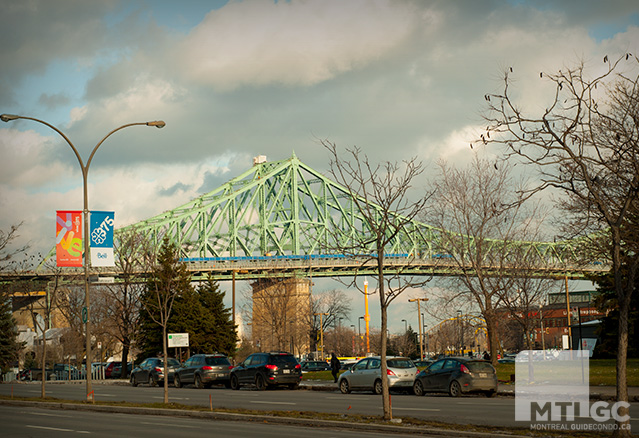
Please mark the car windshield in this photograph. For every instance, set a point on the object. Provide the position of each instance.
(173, 362)
(283, 360)
(480, 366)
(212, 360)
(400, 363)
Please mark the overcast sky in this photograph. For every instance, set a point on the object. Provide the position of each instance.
(238, 79)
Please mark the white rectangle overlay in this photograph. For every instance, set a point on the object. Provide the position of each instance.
(551, 386)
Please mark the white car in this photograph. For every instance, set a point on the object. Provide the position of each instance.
(366, 375)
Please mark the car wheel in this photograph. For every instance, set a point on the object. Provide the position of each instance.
(490, 393)
(176, 381)
(198, 382)
(377, 387)
(293, 386)
(454, 389)
(133, 381)
(418, 388)
(260, 382)
(235, 384)
(227, 384)
(344, 387)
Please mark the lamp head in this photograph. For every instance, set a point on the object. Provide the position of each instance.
(8, 117)
(157, 124)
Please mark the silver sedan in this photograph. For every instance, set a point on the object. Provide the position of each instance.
(366, 375)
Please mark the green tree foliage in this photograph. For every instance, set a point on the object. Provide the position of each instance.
(9, 345)
(200, 312)
(169, 280)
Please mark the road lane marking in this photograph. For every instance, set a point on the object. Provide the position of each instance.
(49, 415)
(56, 429)
(416, 409)
(171, 424)
(272, 403)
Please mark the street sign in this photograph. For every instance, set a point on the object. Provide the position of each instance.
(178, 340)
(85, 315)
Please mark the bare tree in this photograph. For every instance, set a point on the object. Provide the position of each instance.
(278, 309)
(381, 197)
(169, 278)
(333, 306)
(481, 217)
(123, 299)
(586, 144)
(7, 252)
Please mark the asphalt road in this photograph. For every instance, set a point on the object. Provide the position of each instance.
(18, 422)
(497, 411)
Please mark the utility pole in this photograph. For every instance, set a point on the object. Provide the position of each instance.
(322, 330)
(419, 324)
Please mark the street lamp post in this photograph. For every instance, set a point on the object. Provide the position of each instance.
(85, 211)
(321, 315)
(353, 327)
(461, 333)
(359, 332)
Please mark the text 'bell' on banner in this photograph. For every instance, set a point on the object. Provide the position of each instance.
(101, 243)
(68, 238)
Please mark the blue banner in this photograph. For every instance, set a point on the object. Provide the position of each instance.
(101, 235)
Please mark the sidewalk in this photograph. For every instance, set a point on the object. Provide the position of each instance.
(605, 393)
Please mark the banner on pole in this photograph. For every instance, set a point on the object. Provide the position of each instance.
(102, 224)
(68, 238)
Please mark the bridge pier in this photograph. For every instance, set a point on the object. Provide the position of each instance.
(281, 312)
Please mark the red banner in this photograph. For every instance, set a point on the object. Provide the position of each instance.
(68, 240)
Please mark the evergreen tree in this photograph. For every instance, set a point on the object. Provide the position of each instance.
(200, 313)
(219, 333)
(607, 303)
(9, 345)
(169, 280)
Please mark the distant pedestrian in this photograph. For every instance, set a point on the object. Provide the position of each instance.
(335, 366)
(486, 355)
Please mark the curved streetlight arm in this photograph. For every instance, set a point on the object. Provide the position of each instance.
(10, 117)
(85, 173)
(158, 124)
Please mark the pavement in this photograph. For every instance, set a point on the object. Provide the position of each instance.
(504, 390)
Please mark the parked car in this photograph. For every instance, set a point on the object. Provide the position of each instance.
(203, 370)
(267, 369)
(457, 375)
(68, 372)
(423, 363)
(366, 375)
(151, 371)
(36, 374)
(113, 369)
(315, 365)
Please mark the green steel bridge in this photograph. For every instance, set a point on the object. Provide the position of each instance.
(281, 218)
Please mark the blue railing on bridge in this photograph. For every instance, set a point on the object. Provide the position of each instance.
(306, 257)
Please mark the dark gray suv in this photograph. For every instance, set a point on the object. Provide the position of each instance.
(204, 370)
(267, 369)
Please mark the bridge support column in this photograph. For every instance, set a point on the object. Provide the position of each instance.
(281, 309)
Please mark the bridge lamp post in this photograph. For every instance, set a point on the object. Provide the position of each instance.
(85, 173)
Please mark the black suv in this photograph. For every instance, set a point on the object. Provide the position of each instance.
(203, 370)
(267, 369)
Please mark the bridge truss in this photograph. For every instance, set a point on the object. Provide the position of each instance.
(284, 218)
